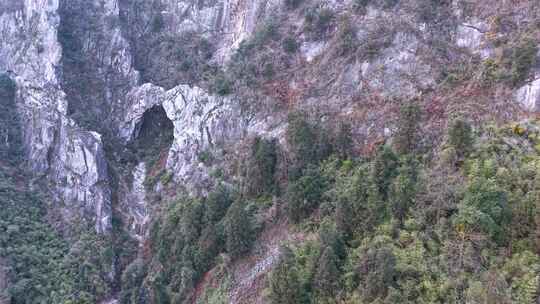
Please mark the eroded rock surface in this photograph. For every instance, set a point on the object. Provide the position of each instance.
(69, 157)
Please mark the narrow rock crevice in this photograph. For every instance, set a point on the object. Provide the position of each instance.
(81, 77)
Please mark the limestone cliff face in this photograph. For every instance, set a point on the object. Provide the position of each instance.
(69, 157)
(64, 149)
(87, 71)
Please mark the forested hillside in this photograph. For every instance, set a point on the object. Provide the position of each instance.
(269, 151)
(411, 223)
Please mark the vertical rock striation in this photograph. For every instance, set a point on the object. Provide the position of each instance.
(80, 68)
(69, 157)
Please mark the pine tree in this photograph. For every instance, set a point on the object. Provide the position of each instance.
(188, 276)
(403, 190)
(238, 230)
(343, 142)
(10, 129)
(330, 237)
(344, 218)
(460, 137)
(302, 140)
(384, 170)
(216, 204)
(407, 135)
(262, 167)
(377, 271)
(304, 194)
(284, 285)
(536, 199)
(485, 207)
(326, 279)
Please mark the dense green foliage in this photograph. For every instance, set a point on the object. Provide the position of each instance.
(317, 22)
(81, 78)
(460, 137)
(515, 67)
(262, 165)
(10, 128)
(238, 230)
(411, 229)
(284, 283)
(407, 134)
(43, 268)
(309, 142)
(304, 194)
(187, 241)
(522, 59)
(292, 4)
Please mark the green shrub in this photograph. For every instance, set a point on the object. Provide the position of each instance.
(132, 280)
(191, 234)
(302, 139)
(166, 178)
(239, 232)
(304, 194)
(10, 127)
(460, 136)
(158, 23)
(266, 32)
(262, 167)
(377, 271)
(348, 41)
(293, 4)
(217, 203)
(309, 142)
(384, 169)
(515, 67)
(361, 5)
(523, 59)
(290, 45)
(492, 71)
(206, 157)
(343, 143)
(387, 4)
(403, 190)
(408, 129)
(318, 21)
(485, 206)
(430, 10)
(326, 280)
(250, 63)
(221, 85)
(284, 283)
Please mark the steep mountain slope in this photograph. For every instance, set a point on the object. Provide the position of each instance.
(163, 124)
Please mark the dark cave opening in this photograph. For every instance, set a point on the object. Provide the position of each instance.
(153, 134)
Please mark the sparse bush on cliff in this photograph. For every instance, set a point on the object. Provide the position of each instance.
(460, 136)
(293, 4)
(317, 22)
(308, 141)
(10, 126)
(523, 59)
(290, 45)
(304, 194)
(347, 37)
(262, 165)
(406, 139)
(239, 232)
